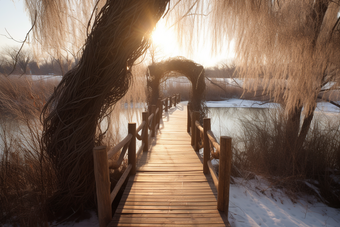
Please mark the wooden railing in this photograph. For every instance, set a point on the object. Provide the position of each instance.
(203, 137)
(103, 158)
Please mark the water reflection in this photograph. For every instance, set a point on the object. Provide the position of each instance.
(226, 121)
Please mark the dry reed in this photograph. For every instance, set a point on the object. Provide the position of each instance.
(23, 96)
(26, 177)
(262, 149)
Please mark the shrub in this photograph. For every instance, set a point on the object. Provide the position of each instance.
(262, 149)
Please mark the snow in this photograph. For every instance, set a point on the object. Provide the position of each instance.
(242, 103)
(255, 203)
(91, 222)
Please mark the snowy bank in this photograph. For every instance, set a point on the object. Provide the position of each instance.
(255, 203)
(242, 103)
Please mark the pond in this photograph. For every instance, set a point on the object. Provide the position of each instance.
(226, 121)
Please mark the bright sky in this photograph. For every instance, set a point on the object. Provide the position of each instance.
(15, 20)
(167, 46)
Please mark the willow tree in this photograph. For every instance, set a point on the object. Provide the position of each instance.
(116, 33)
(291, 48)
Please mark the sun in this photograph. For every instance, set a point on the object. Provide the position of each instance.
(165, 40)
(165, 45)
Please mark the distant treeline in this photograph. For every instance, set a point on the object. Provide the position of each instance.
(23, 63)
(224, 71)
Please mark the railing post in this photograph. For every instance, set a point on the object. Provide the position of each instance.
(175, 101)
(132, 148)
(102, 177)
(179, 98)
(197, 133)
(206, 150)
(224, 174)
(193, 127)
(153, 123)
(188, 118)
(145, 117)
(160, 112)
(166, 104)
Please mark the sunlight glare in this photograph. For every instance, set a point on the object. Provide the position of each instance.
(165, 45)
(165, 40)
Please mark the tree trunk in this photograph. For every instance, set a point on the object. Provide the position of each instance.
(295, 136)
(292, 132)
(304, 130)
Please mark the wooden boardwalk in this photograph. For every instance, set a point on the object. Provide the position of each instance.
(169, 188)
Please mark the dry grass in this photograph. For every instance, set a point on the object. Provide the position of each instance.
(22, 96)
(262, 149)
(27, 179)
(26, 176)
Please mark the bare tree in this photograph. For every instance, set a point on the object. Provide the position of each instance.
(18, 60)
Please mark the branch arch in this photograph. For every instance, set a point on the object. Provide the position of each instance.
(194, 72)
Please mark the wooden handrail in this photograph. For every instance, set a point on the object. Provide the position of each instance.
(140, 127)
(198, 126)
(151, 117)
(120, 183)
(145, 140)
(223, 153)
(215, 144)
(117, 164)
(213, 173)
(188, 118)
(102, 161)
(153, 122)
(119, 146)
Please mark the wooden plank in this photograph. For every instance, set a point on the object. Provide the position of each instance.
(158, 187)
(192, 164)
(169, 193)
(172, 198)
(171, 207)
(169, 188)
(169, 215)
(170, 203)
(167, 211)
(175, 220)
(142, 224)
(173, 173)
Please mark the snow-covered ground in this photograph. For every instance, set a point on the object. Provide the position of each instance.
(256, 203)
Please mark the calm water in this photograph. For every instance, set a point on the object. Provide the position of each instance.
(226, 121)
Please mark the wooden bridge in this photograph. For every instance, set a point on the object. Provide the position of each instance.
(167, 183)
